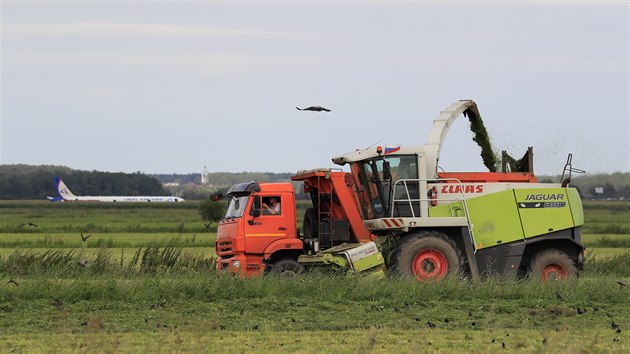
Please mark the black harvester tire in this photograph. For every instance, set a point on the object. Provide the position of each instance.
(552, 264)
(288, 267)
(428, 256)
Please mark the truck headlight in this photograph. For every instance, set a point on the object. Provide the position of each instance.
(236, 264)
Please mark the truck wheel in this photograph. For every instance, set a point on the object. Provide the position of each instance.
(428, 257)
(309, 225)
(285, 267)
(552, 265)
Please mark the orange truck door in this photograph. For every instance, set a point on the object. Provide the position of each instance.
(263, 230)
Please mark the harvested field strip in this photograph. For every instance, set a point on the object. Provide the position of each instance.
(372, 340)
(606, 241)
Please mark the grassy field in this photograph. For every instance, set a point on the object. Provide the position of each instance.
(311, 314)
(45, 217)
(148, 285)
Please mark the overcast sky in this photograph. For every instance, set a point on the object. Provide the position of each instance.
(168, 87)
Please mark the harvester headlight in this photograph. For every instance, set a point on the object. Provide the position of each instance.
(236, 264)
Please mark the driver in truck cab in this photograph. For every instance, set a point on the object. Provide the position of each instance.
(271, 206)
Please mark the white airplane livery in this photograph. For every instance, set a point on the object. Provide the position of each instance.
(65, 195)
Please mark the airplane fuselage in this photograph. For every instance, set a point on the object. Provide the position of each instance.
(123, 199)
(65, 195)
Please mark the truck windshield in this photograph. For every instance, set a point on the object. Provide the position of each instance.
(237, 206)
(376, 192)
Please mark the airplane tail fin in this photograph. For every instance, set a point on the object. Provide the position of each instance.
(62, 190)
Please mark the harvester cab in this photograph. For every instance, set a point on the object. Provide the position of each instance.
(481, 222)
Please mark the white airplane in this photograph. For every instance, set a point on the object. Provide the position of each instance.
(65, 195)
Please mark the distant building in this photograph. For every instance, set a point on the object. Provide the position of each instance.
(204, 175)
(171, 184)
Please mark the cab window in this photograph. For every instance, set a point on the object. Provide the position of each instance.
(271, 205)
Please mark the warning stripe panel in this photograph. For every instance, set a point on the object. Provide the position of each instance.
(393, 222)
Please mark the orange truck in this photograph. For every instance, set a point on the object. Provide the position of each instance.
(253, 239)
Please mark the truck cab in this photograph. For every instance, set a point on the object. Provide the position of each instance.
(252, 238)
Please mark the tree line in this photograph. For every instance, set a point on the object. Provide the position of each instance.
(37, 182)
(613, 186)
(219, 179)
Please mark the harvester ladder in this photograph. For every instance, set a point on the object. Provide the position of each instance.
(325, 214)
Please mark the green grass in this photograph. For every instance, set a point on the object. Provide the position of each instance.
(606, 217)
(100, 217)
(85, 261)
(147, 286)
(606, 241)
(602, 252)
(342, 314)
(417, 340)
(109, 240)
(126, 253)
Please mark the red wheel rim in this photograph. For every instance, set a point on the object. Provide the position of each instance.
(554, 271)
(429, 264)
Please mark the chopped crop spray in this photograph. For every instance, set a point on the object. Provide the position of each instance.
(481, 138)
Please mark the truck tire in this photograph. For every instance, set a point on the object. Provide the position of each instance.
(309, 226)
(552, 264)
(286, 267)
(428, 256)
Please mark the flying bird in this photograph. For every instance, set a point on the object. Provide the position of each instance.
(85, 238)
(314, 109)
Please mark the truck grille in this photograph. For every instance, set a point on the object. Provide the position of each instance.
(225, 246)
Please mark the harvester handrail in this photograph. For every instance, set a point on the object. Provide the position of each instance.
(409, 199)
(404, 181)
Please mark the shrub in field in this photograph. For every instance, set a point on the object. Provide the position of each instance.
(212, 210)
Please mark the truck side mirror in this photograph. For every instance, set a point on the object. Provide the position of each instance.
(255, 211)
